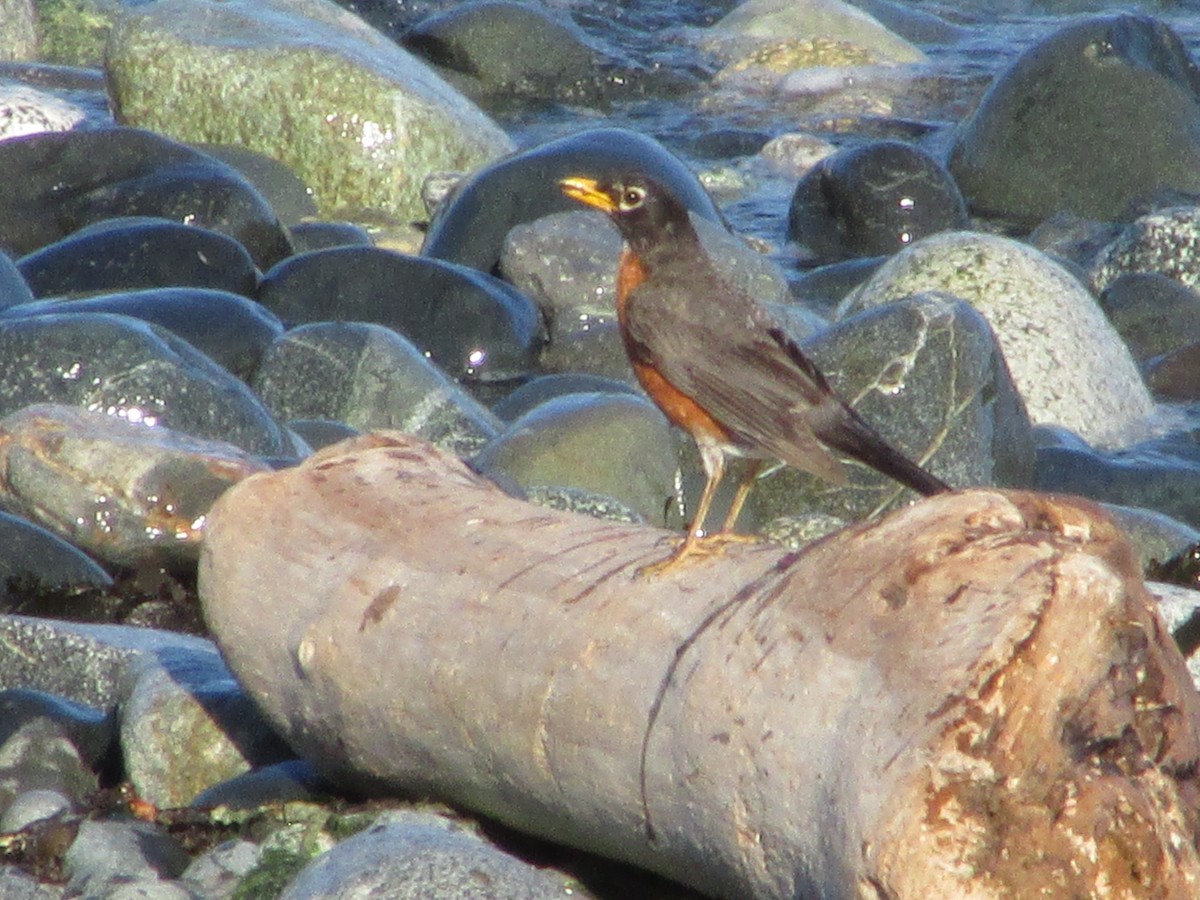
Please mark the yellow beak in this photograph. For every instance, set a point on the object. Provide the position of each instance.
(587, 190)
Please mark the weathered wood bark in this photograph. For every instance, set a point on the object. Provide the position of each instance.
(973, 697)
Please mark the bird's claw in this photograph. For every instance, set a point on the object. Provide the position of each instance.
(694, 550)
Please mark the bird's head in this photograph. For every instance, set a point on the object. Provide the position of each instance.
(645, 212)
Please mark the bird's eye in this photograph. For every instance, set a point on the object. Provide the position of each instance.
(632, 197)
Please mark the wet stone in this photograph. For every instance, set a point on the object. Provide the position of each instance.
(1154, 314)
(318, 433)
(38, 754)
(369, 377)
(120, 255)
(618, 445)
(106, 855)
(90, 731)
(133, 370)
(308, 236)
(33, 559)
(928, 374)
(232, 330)
(282, 188)
(283, 782)
(126, 493)
(546, 387)
(873, 200)
(477, 328)
(470, 227)
(1042, 140)
(1165, 242)
(14, 289)
(186, 725)
(1175, 376)
(494, 50)
(56, 183)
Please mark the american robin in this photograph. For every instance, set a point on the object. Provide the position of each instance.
(719, 365)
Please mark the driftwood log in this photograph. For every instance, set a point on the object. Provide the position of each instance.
(973, 697)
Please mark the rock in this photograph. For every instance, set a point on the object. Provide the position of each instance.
(34, 559)
(1175, 376)
(617, 445)
(823, 288)
(414, 856)
(1155, 537)
(133, 370)
(1162, 242)
(284, 782)
(546, 387)
(90, 732)
(58, 182)
(18, 885)
(1069, 365)
(1153, 314)
(186, 726)
(765, 22)
(308, 236)
(369, 377)
(318, 433)
(873, 200)
(106, 855)
(471, 226)
(14, 290)
(119, 255)
(127, 493)
(25, 109)
(359, 120)
(1161, 474)
(288, 195)
(475, 327)
(85, 663)
(1044, 138)
(928, 373)
(37, 754)
(33, 806)
(231, 330)
(73, 32)
(218, 872)
(498, 50)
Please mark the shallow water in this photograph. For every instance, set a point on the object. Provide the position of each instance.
(719, 132)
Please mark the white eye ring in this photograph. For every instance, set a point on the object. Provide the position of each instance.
(632, 197)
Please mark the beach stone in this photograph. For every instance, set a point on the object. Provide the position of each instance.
(218, 872)
(126, 493)
(230, 329)
(369, 377)
(318, 433)
(1175, 376)
(594, 348)
(284, 782)
(1156, 537)
(823, 288)
(19, 885)
(91, 732)
(73, 32)
(1154, 314)
(37, 753)
(109, 855)
(25, 109)
(308, 236)
(358, 119)
(1067, 361)
(471, 225)
(498, 49)
(928, 373)
(82, 662)
(14, 289)
(187, 726)
(58, 182)
(133, 370)
(33, 806)
(477, 328)
(1161, 474)
(283, 189)
(1164, 242)
(545, 387)
(121, 255)
(415, 855)
(34, 559)
(758, 23)
(873, 200)
(618, 445)
(567, 263)
(1042, 139)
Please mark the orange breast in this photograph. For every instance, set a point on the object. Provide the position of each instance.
(681, 409)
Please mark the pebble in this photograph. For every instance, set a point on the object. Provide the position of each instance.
(106, 857)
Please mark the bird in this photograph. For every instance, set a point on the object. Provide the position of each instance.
(720, 365)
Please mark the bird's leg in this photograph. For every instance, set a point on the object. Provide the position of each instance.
(697, 544)
(743, 491)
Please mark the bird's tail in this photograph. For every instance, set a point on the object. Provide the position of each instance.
(855, 438)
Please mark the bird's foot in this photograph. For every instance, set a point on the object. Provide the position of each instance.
(695, 549)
